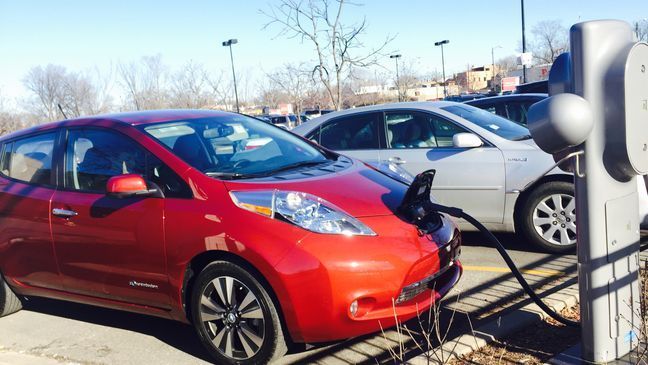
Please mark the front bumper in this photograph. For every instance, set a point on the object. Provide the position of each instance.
(398, 272)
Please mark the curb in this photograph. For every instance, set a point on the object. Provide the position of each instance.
(506, 324)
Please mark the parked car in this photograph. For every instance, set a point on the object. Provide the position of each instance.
(218, 220)
(464, 97)
(288, 121)
(533, 87)
(513, 106)
(314, 113)
(487, 165)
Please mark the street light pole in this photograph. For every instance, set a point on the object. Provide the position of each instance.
(228, 43)
(441, 43)
(493, 70)
(396, 57)
(524, 78)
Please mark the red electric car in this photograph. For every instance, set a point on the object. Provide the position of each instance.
(252, 234)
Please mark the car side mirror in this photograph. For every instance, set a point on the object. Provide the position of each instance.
(466, 140)
(130, 185)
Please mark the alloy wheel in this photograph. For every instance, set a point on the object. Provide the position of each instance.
(233, 318)
(554, 219)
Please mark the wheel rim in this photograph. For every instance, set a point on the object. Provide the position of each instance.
(232, 316)
(554, 219)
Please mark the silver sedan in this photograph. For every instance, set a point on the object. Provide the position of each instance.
(486, 165)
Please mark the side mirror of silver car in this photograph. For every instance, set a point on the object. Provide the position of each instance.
(466, 140)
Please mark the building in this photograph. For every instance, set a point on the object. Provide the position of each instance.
(476, 78)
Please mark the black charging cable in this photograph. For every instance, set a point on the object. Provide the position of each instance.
(456, 212)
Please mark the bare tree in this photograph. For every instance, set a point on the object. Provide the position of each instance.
(320, 22)
(55, 89)
(47, 86)
(221, 88)
(641, 30)
(292, 81)
(145, 83)
(190, 87)
(550, 39)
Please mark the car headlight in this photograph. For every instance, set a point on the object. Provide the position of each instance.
(304, 210)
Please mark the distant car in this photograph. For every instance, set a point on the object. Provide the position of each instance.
(288, 121)
(487, 165)
(464, 97)
(314, 113)
(513, 106)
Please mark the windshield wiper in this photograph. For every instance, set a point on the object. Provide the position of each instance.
(229, 175)
(522, 138)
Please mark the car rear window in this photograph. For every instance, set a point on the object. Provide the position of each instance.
(489, 121)
(30, 159)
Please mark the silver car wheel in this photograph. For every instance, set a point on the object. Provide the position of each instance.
(554, 219)
(233, 318)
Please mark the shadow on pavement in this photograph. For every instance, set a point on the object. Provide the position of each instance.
(174, 334)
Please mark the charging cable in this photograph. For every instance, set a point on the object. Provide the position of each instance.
(456, 212)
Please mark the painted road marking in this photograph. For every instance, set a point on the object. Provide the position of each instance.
(543, 272)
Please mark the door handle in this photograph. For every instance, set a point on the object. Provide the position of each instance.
(64, 213)
(396, 160)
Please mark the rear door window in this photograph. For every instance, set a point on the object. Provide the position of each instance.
(356, 132)
(30, 159)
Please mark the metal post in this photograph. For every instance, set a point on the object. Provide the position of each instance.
(445, 88)
(524, 76)
(396, 57)
(493, 70)
(229, 43)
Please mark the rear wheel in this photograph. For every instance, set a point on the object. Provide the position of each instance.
(235, 317)
(9, 302)
(548, 217)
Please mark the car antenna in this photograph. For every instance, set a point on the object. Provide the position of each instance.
(61, 109)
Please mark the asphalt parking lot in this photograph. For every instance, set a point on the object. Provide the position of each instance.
(49, 331)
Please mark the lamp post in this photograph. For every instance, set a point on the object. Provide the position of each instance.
(441, 43)
(228, 43)
(524, 78)
(493, 71)
(396, 57)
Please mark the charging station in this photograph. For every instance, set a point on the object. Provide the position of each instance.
(598, 108)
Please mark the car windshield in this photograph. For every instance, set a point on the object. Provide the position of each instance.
(489, 121)
(234, 146)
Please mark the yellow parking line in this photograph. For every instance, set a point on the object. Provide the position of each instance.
(506, 269)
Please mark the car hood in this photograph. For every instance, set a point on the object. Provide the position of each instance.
(358, 190)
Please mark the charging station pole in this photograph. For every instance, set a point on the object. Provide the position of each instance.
(598, 104)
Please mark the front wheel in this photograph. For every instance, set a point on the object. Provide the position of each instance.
(235, 317)
(548, 217)
(9, 302)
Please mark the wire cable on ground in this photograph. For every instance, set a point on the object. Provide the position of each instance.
(459, 213)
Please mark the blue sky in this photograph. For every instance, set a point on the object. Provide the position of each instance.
(82, 35)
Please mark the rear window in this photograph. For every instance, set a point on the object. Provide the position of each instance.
(489, 121)
(30, 159)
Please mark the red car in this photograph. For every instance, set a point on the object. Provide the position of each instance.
(252, 234)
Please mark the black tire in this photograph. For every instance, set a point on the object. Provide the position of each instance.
(9, 302)
(243, 331)
(556, 223)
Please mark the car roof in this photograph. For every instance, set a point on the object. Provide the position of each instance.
(507, 97)
(423, 105)
(131, 118)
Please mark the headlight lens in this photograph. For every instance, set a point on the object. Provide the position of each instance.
(304, 210)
